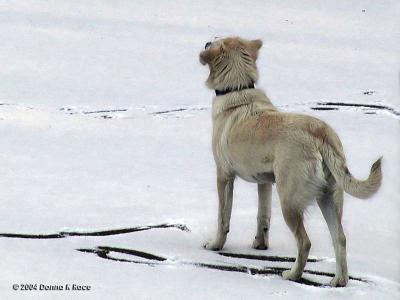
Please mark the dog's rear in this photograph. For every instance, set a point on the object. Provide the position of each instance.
(331, 201)
(336, 163)
(333, 156)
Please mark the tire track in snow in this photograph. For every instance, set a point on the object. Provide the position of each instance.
(106, 252)
(64, 234)
(123, 113)
(368, 108)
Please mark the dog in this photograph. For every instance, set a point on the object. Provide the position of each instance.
(301, 154)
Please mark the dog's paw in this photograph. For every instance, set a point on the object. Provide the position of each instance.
(290, 275)
(260, 244)
(339, 281)
(213, 245)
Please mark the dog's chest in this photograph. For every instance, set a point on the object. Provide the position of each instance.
(220, 145)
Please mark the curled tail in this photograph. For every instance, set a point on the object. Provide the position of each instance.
(333, 157)
(364, 189)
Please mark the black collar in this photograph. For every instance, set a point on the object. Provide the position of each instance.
(229, 90)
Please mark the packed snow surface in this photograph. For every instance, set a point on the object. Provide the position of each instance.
(105, 129)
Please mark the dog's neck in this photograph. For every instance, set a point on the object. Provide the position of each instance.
(253, 99)
(230, 90)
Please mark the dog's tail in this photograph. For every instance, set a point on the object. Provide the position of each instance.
(333, 156)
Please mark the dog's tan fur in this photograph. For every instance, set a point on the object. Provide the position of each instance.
(302, 154)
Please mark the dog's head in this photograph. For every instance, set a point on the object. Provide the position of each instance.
(232, 62)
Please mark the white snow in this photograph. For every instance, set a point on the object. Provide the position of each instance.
(67, 165)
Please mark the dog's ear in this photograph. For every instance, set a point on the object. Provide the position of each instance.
(230, 44)
(207, 55)
(253, 47)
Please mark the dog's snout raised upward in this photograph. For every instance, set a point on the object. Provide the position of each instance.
(207, 45)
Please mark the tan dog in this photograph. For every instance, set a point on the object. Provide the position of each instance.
(254, 141)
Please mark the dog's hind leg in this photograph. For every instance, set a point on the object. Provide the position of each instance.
(225, 195)
(331, 204)
(294, 194)
(294, 220)
(261, 240)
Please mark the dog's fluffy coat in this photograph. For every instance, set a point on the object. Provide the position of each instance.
(302, 154)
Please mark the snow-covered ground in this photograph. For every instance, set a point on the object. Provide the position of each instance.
(105, 124)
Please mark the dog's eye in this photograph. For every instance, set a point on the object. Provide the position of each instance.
(208, 45)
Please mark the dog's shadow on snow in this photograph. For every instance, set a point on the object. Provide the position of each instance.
(145, 258)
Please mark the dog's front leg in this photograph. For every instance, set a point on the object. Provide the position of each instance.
(261, 240)
(225, 195)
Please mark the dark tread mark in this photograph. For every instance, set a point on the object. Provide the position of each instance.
(63, 234)
(324, 108)
(265, 257)
(176, 110)
(33, 236)
(372, 106)
(256, 271)
(106, 117)
(168, 111)
(104, 111)
(284, 259)
(132, 252)
(103, 252)
(71, 111)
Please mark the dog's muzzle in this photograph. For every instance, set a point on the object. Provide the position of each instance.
(208, 45)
